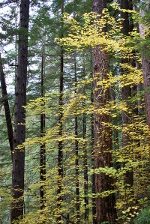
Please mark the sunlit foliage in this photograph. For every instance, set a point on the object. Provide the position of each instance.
(81, 36)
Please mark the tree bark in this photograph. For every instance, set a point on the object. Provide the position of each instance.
(76, 153)
(6, 108)
(146, 69)
(126, 94)
(105, 206)
(146, 78)
(60, 143)
(19, 131)
(42, 147)
(92, 146)
(85, 166)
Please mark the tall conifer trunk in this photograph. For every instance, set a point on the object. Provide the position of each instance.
(76, 153)
(19, 132)
(60, 143)
(105, 206)
(146, 78)
(126, 94)
(146, 69)
(42, 147)
(85, 166)
(6, 108)
(92, 145)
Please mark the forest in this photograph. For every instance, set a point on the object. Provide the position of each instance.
(75, 111)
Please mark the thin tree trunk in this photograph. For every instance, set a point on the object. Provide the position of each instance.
(6, 108)
(42, 147)
(60, 143)
(85, 167)
(19, 132)
(92, 148)
(76, 153)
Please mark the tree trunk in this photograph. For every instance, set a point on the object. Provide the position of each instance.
(126, 94)
(6, 108)
(146, 69)
(76, 153)
(92, 147)
(146, 78)
(85, 166)
(42, 147)
(60, 143)
(19, 132)
(105, 206)
(140, 107)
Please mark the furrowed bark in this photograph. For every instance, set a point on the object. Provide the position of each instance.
(146, 78)
(105, 206)
(146, 67)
